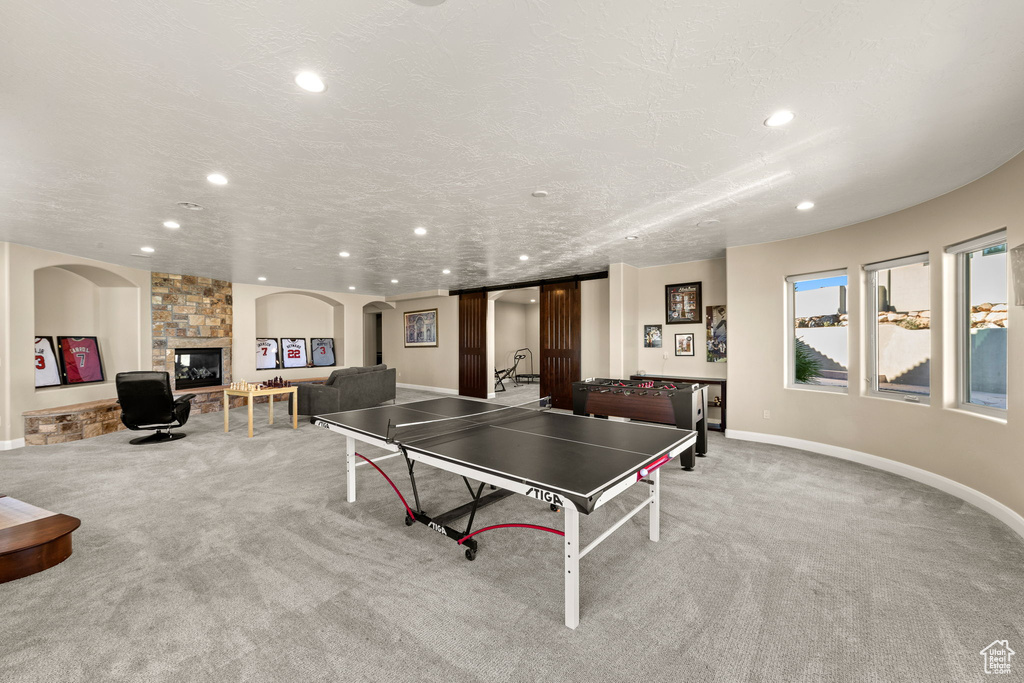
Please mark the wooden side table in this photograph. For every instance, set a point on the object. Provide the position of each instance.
(250, 395)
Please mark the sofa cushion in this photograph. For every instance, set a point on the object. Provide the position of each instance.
(342, 373)
(377, 368)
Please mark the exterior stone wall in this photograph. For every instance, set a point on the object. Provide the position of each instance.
(190, 312)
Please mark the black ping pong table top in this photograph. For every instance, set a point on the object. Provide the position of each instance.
(575, 455)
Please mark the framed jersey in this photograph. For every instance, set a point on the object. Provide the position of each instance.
(293, 352)
(322, 351)
(47, 372)
(267, 354)
(80, 361)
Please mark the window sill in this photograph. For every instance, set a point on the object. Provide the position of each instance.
(899, 398)
(819, 388)
(989, 414)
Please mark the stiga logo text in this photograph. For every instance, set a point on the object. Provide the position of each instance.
(546, 496)
(318, 423)
(438, 528)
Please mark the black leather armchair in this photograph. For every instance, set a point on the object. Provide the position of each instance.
(147, 403)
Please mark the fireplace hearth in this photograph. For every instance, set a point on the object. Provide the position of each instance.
(197, 368)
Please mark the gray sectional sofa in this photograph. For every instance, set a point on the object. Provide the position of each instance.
(347, 389)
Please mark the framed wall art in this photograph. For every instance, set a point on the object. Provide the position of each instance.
(80, 361)
(683, 303)
(322, 351)
(716, 334)
(47, 370)
(652, 336)
(293, 352)
(684, 345)
(267, 354)
(421, 328)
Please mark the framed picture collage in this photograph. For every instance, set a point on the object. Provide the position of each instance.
(293, 352)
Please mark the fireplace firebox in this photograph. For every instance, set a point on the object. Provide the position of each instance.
(197, 368)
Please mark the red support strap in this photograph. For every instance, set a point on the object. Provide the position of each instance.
(499, 526)
(399, 493)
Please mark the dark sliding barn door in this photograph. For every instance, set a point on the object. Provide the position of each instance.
(559, 341)
(474, 380)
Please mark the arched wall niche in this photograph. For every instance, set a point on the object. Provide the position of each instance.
(304, 315)
(82, 300)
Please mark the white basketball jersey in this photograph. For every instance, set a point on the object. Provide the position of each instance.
(47, 373)
(266, 354)
(323, 352)
(293, 353)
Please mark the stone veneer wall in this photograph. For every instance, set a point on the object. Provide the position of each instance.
(190, 312)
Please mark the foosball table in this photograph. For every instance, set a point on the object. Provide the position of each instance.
(681, 404)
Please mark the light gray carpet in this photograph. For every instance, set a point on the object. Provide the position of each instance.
(220, 558)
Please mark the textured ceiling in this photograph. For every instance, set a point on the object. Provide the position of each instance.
(639, 117)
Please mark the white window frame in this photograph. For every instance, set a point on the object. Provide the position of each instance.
(871, 323)
(963, 322)
(791, 280)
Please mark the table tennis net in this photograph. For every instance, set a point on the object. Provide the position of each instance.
(438, 430)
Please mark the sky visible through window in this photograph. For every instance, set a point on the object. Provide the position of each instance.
(806, 285)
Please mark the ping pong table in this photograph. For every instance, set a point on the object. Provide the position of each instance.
(569, 462)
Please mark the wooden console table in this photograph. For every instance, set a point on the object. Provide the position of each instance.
(251, 396)
(699, 380)
(31, 539)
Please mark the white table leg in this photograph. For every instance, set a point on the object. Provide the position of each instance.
(572, 565)
(350, 453)
(655, 478)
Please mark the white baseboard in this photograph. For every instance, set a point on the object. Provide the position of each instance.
(492, 395)
(11, 445)
(421, 387)
(954, 488)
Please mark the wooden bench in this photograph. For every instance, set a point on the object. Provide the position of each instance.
(31, 539)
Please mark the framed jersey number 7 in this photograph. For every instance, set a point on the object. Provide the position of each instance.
(80, 360)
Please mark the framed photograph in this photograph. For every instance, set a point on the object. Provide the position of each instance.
(267, 354)
(684, 345)
(293, 352)
(683, 304)
(80, 361)
(421, 328)
(716, 334)
(322, 351)
(47, 371)
(652, 336)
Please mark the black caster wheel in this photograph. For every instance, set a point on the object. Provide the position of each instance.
(409, 521)
(555, 508)
(470, 554)
(688, 469)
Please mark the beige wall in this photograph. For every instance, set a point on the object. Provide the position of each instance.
(331, 314)
(650, 304)
(623, 320)
(510, 332)
(980, 452)
(593, 329)
(429, 367)
(120, 315)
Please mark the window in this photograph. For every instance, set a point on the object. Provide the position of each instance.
(899, 327)
(818, 344)
(982, 296)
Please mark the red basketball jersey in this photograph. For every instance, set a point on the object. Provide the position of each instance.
(81, 358)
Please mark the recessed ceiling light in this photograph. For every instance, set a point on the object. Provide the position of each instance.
(148, 250)
(533, 301)
(217, 179)
(803, 206)
(779, 118)
(191, 206)
(394, 282)
(632, 237)
(420, 231)
(540, 193)
(351, 287)
(172, 224)
(524, 257)
(446, 271)
(343, 254)
(307, 80)
(262, 279)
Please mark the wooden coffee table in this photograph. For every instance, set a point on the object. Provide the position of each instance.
(31, 539)
(263, 392)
